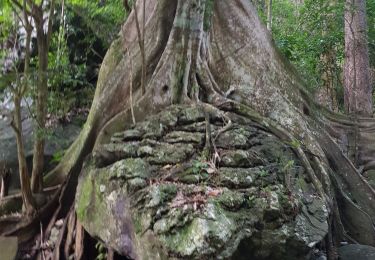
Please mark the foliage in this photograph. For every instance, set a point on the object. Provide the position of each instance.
(103, 17)
(199, 166)
(81, 35)
(371, 32)
(57, 156)
(306, 30)
(102, 254)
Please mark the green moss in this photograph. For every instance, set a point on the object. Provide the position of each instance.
(231, 200)
(301, 183)
(84, 200)
(208, 11)
(138, 225)
(184, 240)
(117, 50)
(167, 192)
(131, 168)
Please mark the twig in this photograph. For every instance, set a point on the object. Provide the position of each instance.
(19, 195)
(41, 241)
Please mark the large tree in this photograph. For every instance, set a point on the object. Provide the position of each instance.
(219, 54)
(357, 81)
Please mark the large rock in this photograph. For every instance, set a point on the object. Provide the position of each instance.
(357, 252)
(58, 138)
(154, 192)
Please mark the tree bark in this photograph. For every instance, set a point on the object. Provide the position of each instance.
(326, 94)
(41, 112)
(19, 90)
(43, 42)
(357, 85)
(27, 197)
(218, 53)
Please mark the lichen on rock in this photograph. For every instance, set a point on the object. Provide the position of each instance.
(151, 194)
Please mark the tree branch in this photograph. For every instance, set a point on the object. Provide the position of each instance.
(49, 28)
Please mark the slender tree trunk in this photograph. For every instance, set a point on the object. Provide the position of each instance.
(269, 15)
(41, 112)
(43, 41)
(4, 176)
(357, 86)
(28, 201)
(18, 92)
(326, 94)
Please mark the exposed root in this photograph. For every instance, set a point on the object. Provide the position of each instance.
(181, 69)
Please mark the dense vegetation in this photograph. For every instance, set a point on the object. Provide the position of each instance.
(229, 99)
(82, 32)
(306, 30)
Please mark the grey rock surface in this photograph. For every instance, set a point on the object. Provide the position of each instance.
(153, 192)
(356, 252)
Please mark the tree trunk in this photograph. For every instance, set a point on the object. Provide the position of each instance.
(326, 94)
(19, 90)
(357, 85)
(43, 41)
(27, 197)
(218, 53)
(41, 112)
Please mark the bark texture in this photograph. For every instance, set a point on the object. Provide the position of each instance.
(219, 54)
(43, 31)
(234, 66)
(357, 83)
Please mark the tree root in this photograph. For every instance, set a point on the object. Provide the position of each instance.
(184, 67)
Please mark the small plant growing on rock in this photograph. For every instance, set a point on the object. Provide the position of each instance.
(199, 166)
(102, 254)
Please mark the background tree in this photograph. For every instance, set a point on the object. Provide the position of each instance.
(184, 68)
(269, 15)
(43, 29)
(18, 86)
(358, 89)
(214, 61)
(326, 94)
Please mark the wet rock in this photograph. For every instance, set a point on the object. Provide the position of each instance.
(170, 200)
(238, 177)
(231, 200)
(62, 135)
(357, 252)
(236, 138)
(194, 127)
(241, 158)
(128, 135)
(184, 137)
(164, 153)
(191, 115)
(130, 168)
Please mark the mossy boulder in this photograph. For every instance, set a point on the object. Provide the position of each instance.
(154, 192)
